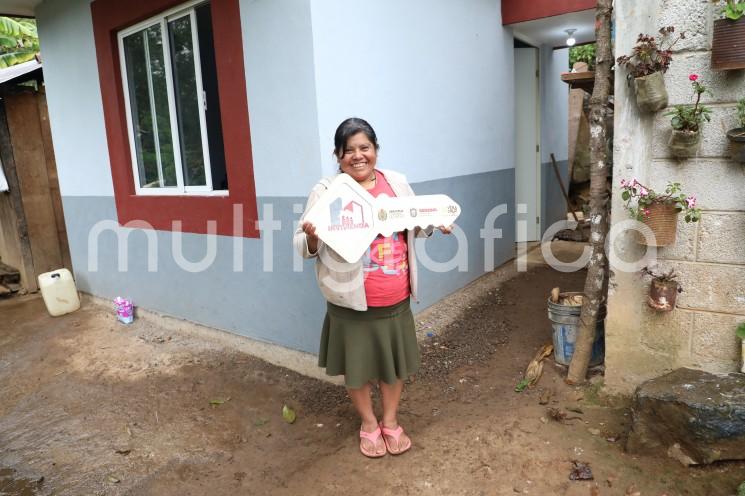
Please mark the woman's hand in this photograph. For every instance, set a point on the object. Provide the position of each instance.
(446, 230)
(311, 237)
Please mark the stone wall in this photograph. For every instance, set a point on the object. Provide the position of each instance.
(709, 255)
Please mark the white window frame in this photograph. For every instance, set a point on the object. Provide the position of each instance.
(162, 19)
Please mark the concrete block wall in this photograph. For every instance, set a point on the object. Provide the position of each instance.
(708, 255)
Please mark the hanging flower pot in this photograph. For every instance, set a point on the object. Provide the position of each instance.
(684, 143)
(687, 121)
(658, 210)
(663, 290)
(662, 219)
(651, 94)
(737, 144)
(728, 44)
(649, 60)
(662, 295)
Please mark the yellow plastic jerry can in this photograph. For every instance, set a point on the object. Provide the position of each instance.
(59, 292)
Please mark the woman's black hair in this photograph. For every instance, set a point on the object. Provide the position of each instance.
(349, 128)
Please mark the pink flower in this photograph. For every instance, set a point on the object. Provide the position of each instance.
(633, 182)
(646, 212)
(643, 191)
(691, 201)
(693, 77)
(623, 183)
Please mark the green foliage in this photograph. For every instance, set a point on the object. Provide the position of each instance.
(583, 53)
(691, 117)
(688, 117)
(10, 59)
(17, 28)
(741, 334)
(733, 9)
(19, 41)
(741, 111)
(643, 196)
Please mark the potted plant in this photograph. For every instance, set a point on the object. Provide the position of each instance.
(647, 64)
(741, 334)
(736, 136)
(687, 121)
(663, 290)
(728, 43)
(659, 211)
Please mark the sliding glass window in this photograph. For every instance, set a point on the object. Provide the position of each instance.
(169, 74)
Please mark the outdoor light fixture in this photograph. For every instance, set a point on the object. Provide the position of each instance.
(570, 40)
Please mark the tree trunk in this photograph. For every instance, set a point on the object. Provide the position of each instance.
(597, 270)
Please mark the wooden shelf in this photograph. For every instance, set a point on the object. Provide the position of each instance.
(582, 80)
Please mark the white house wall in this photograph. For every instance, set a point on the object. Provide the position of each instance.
(434, 81)
(74, 98)
(554, 133)
(278, 52)
(554, 103)
(434, 77)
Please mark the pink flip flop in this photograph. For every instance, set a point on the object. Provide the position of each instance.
(395, 434)
(373, 438)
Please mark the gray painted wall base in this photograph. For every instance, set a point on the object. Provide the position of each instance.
(281, 305)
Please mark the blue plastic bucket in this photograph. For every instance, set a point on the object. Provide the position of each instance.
(565, 323)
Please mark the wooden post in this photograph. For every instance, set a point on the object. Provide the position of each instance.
(28, 276)
(596, 283)
(22, 113)
(54, 191)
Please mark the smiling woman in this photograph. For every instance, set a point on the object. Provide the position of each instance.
(356, 148)
(368, 334)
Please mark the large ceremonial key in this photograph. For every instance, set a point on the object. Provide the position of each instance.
(348, 218)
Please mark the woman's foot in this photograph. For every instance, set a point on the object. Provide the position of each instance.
(371, 441)
(396, 440)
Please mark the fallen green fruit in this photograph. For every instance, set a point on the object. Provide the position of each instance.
(288, 414)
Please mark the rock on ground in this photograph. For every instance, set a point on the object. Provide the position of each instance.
(691, 415)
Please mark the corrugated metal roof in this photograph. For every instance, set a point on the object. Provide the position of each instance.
(18, 70)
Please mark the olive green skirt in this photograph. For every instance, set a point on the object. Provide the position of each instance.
(377, 344)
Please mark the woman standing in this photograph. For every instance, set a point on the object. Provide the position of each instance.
(368, 334)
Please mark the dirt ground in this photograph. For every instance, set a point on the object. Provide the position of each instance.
(92, 407)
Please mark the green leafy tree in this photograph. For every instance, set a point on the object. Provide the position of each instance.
(583, 53)
(19, 41)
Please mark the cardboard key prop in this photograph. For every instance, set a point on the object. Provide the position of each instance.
(348, 218)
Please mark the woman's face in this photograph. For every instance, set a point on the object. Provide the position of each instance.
(358, 157)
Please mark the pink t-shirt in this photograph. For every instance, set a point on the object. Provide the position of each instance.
(386, 261)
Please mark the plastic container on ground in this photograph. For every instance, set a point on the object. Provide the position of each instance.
(565, 323)
(59, 292)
